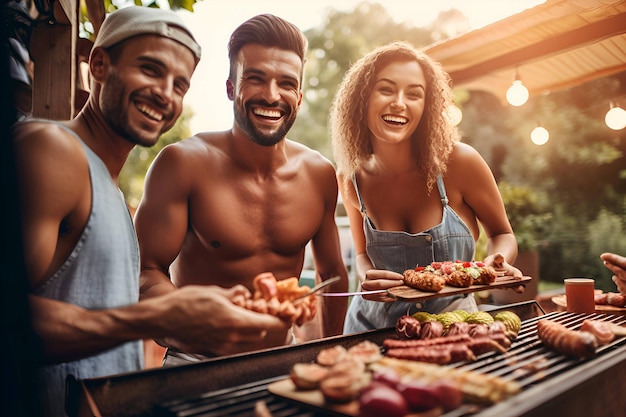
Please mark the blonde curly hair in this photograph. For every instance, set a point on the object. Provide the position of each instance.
(433, 140)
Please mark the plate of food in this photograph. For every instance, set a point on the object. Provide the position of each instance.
(441, 279)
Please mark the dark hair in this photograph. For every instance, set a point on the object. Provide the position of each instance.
(267, 30)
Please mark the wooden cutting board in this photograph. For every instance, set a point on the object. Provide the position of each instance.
(406, 293)
(286, 389)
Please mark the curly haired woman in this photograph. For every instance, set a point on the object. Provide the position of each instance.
(414, 194)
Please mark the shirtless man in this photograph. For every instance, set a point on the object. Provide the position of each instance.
(222, 207)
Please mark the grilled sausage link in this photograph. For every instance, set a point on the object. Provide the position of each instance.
(573, 343)
(439, 354)
(413, 343)
(600, 329)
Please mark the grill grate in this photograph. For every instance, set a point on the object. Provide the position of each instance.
(527, 362)
(237, 401)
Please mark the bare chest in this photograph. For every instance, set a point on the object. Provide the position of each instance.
(250, 218)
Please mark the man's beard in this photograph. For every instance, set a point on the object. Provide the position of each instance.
(257, 136)
(116, 114)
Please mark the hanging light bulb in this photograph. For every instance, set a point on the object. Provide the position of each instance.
(539, 135)
(454, 114)
(615, 118)
(517, 94)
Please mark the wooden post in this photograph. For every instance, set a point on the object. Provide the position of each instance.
(53, 49)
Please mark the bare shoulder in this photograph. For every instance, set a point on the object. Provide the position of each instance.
(46, 156)
(42, 131)
(310, 157)
(40, 140)
(464, 151)
(465, 157)
(319, 168)
(195, 148)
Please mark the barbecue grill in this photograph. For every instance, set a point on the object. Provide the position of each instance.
(552, 384)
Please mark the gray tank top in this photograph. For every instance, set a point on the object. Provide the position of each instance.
(397, 251)
(101, 272)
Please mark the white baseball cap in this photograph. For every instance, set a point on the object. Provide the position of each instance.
(132, 21)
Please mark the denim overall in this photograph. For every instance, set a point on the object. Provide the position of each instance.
(398, 251)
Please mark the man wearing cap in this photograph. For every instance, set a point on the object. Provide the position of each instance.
(80, 246)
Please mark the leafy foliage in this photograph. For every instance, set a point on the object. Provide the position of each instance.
(577, 177)
(132, 177)
(527, 213)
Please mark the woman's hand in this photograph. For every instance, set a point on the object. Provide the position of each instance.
(497, 261)
(379, 279)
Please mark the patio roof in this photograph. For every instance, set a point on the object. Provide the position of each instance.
(556, 45)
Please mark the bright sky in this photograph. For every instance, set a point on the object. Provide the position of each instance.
(214, 20)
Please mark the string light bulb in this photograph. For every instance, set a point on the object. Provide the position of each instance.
(539, 135)
(615, 118)
(517, 94)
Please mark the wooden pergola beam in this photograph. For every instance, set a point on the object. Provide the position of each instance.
(579, 37)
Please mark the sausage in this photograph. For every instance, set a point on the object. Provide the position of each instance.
(600, 329)
(344, 381)
(616, 300)
(431, 329)
(408, 327)
(573, 343)
(332, 355)
(265, 285)
(439, 354)
(485, 344)
(365, 351)
(600, 298)
(458, 327)
(414, 343)
(307, 376)
(478, 329)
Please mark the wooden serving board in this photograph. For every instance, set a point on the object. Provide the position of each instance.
(561, 301)
(286, 389)
(406, 293)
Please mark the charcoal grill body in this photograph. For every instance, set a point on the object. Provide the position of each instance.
(551, 383)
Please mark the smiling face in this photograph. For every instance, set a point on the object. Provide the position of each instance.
(396, 103)
(266, 92)
(142, 93)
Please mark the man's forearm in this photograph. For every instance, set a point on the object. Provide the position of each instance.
(68, 332)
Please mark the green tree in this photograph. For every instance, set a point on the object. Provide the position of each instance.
(578, 175)
(133, 174)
